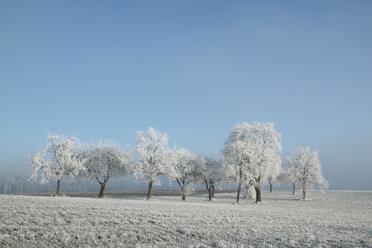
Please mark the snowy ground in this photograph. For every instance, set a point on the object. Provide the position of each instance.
(337, 219)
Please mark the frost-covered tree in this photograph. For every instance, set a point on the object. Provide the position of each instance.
(252, 152)
(266, 162)
(212, 175)
(57, 160)
(104, 160)
(237, 155)
(304, 166)
(186, 169)
(289, 176)
(151, 157)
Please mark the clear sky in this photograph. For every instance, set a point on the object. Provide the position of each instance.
(193, 69)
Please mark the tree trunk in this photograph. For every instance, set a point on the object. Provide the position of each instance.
(209, 189)
(303, 191)
(238, 194)
(102, 191)
(258, 193)
(246, 193)
(149, 192)
(183, 197)
(271, 187)
(294, 188)
(58, 186)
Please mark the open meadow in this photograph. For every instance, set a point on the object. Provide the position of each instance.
(335, 219)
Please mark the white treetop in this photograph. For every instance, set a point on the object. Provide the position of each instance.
(151, 155)
(106, 159)
(304, 167)
(58, 159)
(186, 169)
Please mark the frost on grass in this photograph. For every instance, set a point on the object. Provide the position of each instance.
(341, 219)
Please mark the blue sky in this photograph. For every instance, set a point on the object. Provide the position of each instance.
(193, 69)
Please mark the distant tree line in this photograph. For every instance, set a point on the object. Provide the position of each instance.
(11, 183)
(20, 183)
(251, 158)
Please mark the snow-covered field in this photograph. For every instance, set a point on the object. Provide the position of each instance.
(336, 219)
